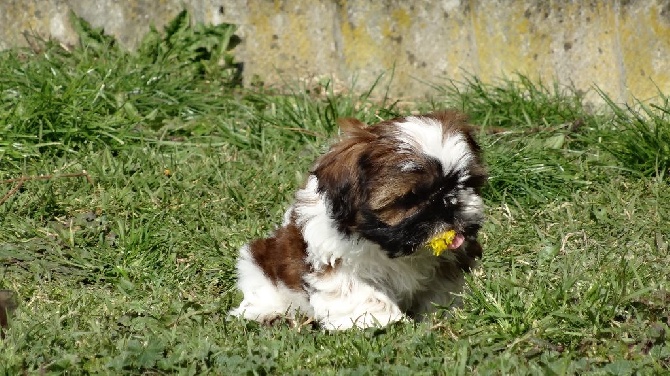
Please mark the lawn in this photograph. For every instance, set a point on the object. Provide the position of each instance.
(129, 181)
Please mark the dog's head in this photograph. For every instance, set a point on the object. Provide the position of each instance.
(401, 182)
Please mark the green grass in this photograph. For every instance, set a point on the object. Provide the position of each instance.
(639, 137)
(133, 272)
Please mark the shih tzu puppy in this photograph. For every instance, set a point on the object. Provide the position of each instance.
(354, 248)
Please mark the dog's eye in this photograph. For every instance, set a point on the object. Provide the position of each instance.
(409, 199)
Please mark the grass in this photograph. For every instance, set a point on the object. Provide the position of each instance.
(640, 136)
(133, 272)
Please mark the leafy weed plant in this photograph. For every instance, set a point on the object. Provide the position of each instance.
(57, 99)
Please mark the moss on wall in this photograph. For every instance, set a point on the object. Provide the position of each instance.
(623, 47)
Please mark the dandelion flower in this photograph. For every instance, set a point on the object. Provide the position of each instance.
(441, 242)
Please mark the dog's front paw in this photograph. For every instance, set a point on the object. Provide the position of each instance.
(378, 314)
(367, 320)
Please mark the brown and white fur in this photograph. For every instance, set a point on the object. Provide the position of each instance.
(351, 250)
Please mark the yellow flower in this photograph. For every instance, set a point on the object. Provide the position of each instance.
(441, 242)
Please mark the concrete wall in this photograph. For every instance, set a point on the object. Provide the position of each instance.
(623, 46)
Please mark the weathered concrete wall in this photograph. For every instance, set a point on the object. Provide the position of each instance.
(623, 46)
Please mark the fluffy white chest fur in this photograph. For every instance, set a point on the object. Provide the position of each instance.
(351, 249)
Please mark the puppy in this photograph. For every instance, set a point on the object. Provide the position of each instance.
(352, 249)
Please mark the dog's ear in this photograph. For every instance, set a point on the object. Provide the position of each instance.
(339, 174)
(351, 126)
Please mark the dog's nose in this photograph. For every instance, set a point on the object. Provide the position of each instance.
(472, 229)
